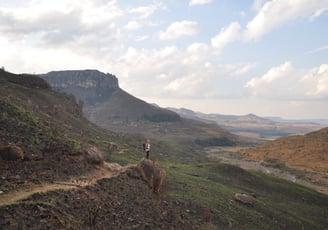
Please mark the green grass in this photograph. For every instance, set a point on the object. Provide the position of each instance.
(279, 204)
(195, 185)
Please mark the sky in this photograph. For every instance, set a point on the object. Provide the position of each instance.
(269, 58)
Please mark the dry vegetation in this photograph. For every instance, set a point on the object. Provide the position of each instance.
(308, 153)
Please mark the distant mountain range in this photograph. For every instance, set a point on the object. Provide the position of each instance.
(109, 106)
(254, 126)
(279, 119)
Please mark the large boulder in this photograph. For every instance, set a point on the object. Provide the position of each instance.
(152, 173)
(11, 152)
(245, 199)
(94, 155)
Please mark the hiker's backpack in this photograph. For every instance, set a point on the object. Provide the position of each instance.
(144, 146)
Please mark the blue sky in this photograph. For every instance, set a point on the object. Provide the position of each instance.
(230, 57)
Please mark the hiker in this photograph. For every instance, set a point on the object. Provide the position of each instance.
(146, 147)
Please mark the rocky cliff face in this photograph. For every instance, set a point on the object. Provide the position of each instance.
(89, 86)
(104, 101)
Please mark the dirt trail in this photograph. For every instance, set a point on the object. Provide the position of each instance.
(107, 170)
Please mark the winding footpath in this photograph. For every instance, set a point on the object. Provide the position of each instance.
(107, 170)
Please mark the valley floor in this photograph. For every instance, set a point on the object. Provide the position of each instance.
(232, 155)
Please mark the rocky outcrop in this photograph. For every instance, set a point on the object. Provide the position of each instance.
(152, 173)
(89, 86)
(11, 152)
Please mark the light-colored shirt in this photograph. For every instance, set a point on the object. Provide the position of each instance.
(147, 147)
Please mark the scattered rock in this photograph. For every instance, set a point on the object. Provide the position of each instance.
(244, 199)
(152, 173)
(11, 152)
(115, 167)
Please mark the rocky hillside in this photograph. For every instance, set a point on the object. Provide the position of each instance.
(307, 152)
(48, 128)
(47, 168)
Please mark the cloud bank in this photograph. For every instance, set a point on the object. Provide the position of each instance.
(211, 56)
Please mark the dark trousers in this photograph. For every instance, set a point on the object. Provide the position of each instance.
(147, 154)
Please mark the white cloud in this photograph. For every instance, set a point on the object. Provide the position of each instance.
(320, 49)
(244, 69)
(197, 48)
(142, 38)
(318, 13)
(77, 28)
(257, 4)
(317, 81)
(226, 36)
(172, 72)
(196, 53)
(147, 11)
(93, 13)
(274, 14)
(288, 83)
(132, 25)
(199, 2)
(178, 29)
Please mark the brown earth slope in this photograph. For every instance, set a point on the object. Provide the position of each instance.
(123, 202)
(307, 153)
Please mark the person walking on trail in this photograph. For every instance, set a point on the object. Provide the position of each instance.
(147, 148)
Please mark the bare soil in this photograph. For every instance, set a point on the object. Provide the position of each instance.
(106, 170)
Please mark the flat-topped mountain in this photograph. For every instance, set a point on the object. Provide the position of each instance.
(89, 86)
(104, 101)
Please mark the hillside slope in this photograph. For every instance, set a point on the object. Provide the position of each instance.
(51, 131)
(307, 152)
(49, 128)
